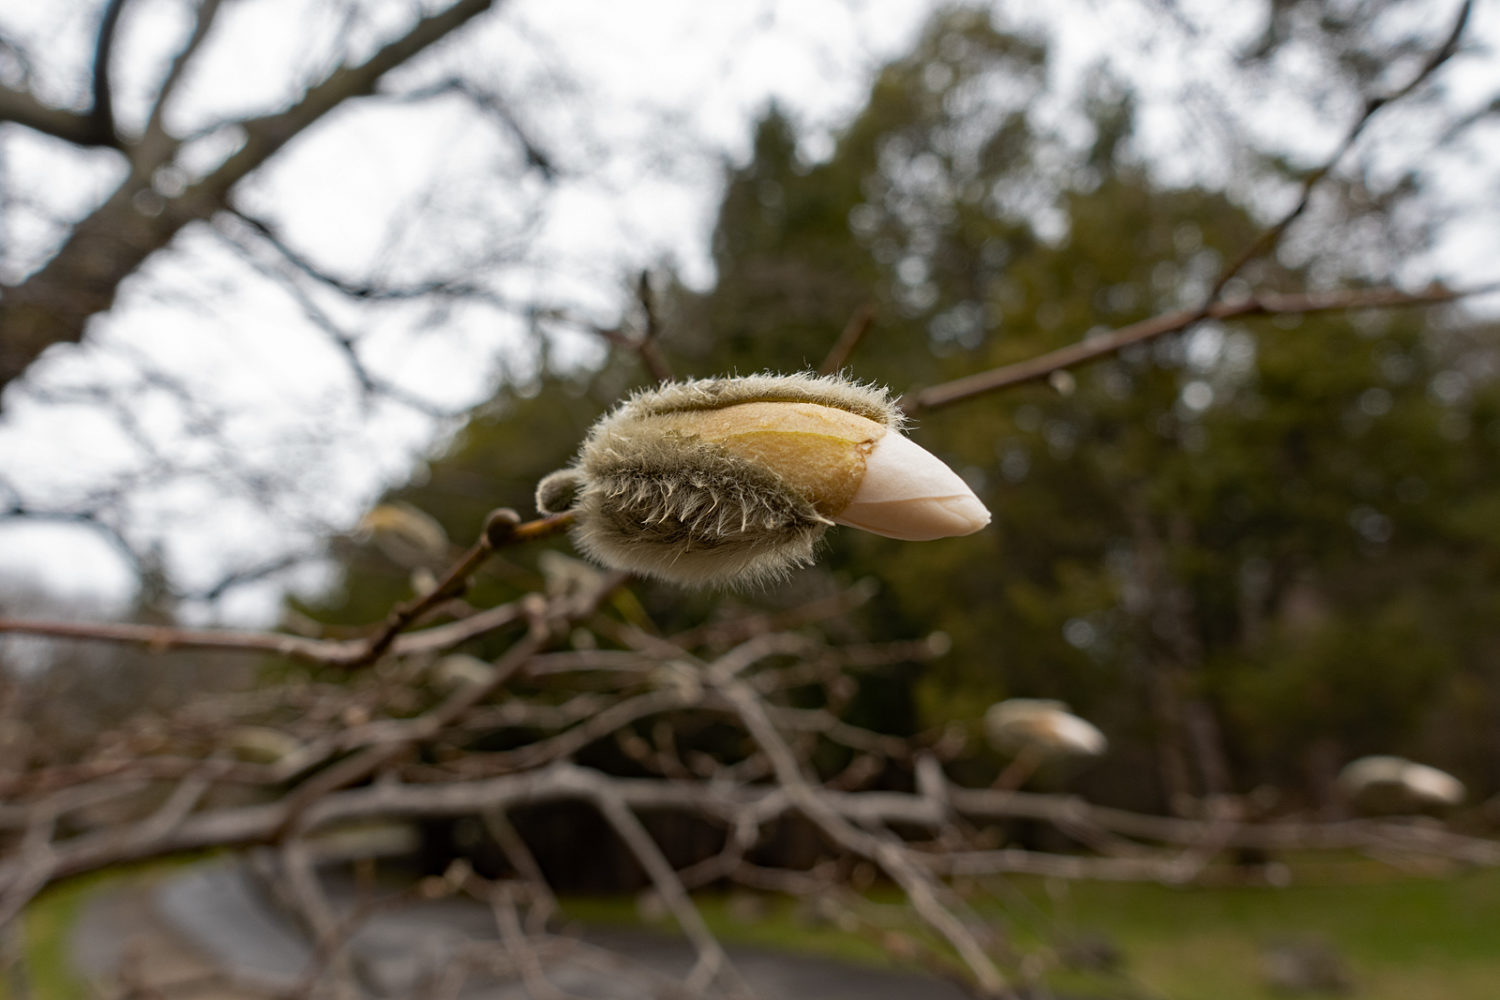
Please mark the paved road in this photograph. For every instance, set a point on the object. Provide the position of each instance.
(214, 915)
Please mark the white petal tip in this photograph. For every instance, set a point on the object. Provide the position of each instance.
(1433, 785)
(908, 493)
(918, 520)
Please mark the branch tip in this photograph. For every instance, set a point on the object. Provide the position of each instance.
(500, 527)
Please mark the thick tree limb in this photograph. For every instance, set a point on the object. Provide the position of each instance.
(54, 304)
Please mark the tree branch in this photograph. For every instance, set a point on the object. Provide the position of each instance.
(946, 393)
(1268, 239)
(53, 304)
(155, 139)
(21, 108)
(103, 112)
(854, 331)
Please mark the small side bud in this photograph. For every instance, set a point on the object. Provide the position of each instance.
(499, 526)
(558, 491)
(461, 670)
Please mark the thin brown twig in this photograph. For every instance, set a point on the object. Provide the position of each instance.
(854, 331)
(1095, 347)
(648, 344)
(519, 944)
(366, 762)
(713, 961)
(503, 527)
(1212, 308)
(346, 653)
(544, 903)
(1268, 239)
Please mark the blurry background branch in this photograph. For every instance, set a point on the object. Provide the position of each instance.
(81, 279)
(1100, 345)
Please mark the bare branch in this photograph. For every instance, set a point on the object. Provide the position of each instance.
(53, 304)
(1268, 239)
(642, 343)
(883, 850)
(854, 331)
(103, 111)
(348, 654)
(154, 140)
(497, 109)
(544, 906)
(1212, 308)
(358, 291)
(521, 947)
(946, 393)
(712, 961)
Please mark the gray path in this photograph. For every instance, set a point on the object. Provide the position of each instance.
(220, 917)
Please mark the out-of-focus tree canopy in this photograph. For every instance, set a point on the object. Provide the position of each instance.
(1252, 550)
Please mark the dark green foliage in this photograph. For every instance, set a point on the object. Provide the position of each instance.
(1232, 547)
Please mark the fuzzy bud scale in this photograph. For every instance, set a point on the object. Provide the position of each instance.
(733, 480)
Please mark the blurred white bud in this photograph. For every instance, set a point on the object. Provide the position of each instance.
(1386, 784)
(406, 535)
(262, 744)
(1041, 726)
(566, 576)
(735, 479)
(461, 670)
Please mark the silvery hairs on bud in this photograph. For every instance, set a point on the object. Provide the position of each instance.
(734, 480)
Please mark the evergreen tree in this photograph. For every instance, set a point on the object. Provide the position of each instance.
(1248, 552)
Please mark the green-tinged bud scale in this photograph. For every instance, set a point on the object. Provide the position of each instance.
(735, 479)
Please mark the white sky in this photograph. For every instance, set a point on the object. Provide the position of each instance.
(640, 103)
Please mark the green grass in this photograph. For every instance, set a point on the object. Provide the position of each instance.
(47, 926)
(780, 927)
(48, 921)
(1402, 938)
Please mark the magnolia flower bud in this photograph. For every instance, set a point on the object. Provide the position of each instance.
(733, 479)
(1041, 726)
(408, 536)
(261, 744)
(1384, 784)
